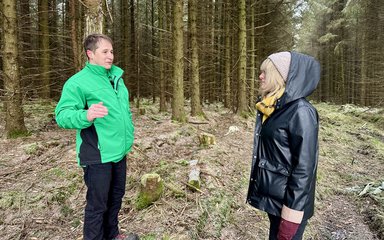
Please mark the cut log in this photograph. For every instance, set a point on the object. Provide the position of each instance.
(194, 182)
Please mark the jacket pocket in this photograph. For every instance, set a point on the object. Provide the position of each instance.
(273, 178)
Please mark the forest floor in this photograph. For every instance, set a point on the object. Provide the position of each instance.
(42, 191)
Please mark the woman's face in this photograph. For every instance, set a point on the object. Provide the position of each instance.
(262, 79)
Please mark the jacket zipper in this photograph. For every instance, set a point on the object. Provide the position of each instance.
(121, 110)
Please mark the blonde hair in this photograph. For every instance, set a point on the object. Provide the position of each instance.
(274, 82)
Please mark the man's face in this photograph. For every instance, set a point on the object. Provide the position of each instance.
(103, 55)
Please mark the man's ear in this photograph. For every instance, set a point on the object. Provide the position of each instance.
(89, 54)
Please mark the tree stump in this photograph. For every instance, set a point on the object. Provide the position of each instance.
(151, 188)
(207, 139)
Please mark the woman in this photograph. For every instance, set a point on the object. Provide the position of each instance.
(285, 154)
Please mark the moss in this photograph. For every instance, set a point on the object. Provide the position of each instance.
(66, 210)
(245, 115)
(150, 236)
(201, 221)
(183, 162)
(75, 223)
(31, 149)
(18, 134)
(60, 196)
(216, 212)
(194, 184)
(12, 199)
(152, 186)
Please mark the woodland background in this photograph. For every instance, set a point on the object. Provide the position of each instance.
(203, 51)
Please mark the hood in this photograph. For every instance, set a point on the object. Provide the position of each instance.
(303, 77)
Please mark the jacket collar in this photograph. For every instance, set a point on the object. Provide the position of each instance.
(100, 70)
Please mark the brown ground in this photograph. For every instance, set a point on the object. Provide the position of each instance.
(42, 192)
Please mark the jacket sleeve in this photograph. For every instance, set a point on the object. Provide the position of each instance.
(70, 110)
(303, 142)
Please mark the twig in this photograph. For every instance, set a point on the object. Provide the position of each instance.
(78, 194)
(193, 122)
(189, 185)
(141, 151)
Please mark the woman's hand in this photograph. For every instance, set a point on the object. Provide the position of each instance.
(287, 230)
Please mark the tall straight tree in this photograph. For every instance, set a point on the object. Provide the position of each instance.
(45, 56)
(14, 115)
(242, 50)
(75, 34)
(93, 17)
(125, 34)
(227, 59)
(368, 49)
(162, 17)
(153, 52)
(252, 59)
(178, 63)
(196, 108)
(133, 56)
(25, 30)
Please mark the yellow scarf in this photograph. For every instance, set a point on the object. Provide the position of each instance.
(267, 105)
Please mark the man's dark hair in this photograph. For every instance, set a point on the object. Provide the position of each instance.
(92, 40)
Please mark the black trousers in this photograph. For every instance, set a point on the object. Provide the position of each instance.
(274, 228)
(106, 188)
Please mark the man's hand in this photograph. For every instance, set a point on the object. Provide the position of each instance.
(96, 111)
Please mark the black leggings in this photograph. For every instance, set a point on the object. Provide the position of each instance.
(274, 228)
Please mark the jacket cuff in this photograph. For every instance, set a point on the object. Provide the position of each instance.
(292, 215)
(85, 119)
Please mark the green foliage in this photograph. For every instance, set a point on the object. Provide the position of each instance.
(201, 221)
(31, 149)
(245, 115)
(150, 236)
(11, 199)
(216, 211)
(329, 37)
(75, 223)
(60, 196)
(183, 162)
(66, 210)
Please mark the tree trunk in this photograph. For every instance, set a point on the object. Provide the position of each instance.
(125, 43)
(14, 116)
(161, 13)
(196, 108)
(45, 57)
(153, 48)
(137, 57)
(132, 70)
(227, 59)
(76, 49)
(242, 48)
(25, 46)
(252, 60)
(178, 63)
(93, 17)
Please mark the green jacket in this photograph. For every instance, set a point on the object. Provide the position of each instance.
(106, 139)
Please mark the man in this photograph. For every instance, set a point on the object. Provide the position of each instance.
(95, 102)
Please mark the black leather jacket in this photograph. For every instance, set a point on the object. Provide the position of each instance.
(285, 150)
